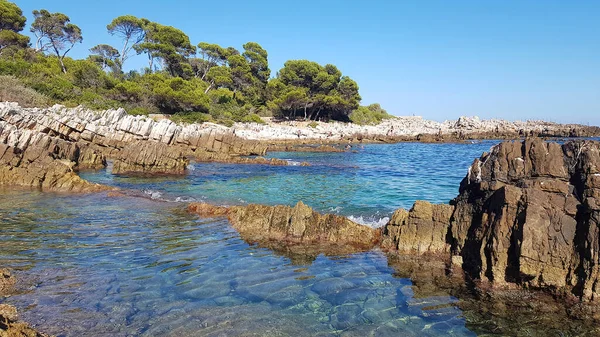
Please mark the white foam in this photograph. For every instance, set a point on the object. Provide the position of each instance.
(373, 223)
(191, 167)
(153, 194)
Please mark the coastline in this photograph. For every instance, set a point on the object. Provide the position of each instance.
(58, 142)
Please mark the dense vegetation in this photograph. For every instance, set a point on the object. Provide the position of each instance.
(203, 82)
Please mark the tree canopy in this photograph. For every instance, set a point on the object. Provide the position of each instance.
(55, 32)
(203, 81)
(12, 22)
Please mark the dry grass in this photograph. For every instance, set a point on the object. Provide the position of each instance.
(13, 90)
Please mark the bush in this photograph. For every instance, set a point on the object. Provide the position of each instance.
(253, 118)
(371, 115)
(13, 90)
(313, 124)
(138, 111)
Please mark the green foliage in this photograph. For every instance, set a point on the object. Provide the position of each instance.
(13, 90)
(131, 30)
(369, 115)
(313, 91)
(313, 124)
(11, 17)
(137, 111)
(217, 84)
(55, 32)
(191, 117)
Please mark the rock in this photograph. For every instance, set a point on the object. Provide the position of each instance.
(207, 210)
(8, 312)
(527, 213)
(292, 225)
(39, 165)
(150, 157)
(421, 230)
(10, 327)
(7, 282)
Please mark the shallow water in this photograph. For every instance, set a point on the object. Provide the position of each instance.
(94, 265)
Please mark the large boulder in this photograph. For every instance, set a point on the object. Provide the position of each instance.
(422, 230)
(528, 213)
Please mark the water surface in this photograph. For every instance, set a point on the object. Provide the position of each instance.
(95, 265)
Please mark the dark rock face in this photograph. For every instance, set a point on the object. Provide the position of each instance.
(292, 225)
(528, 213)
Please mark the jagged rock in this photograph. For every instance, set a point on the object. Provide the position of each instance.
(421, 230)
(528, 213)
(7, 281)
(39, 165)
(150, 157)
(296, 225)
(11, 327)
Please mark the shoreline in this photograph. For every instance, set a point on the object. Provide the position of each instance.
(532, 175)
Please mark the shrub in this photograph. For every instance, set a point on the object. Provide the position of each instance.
(13, 90)
(371, 115)
(253, 118)
(313, 124)
(138, 111)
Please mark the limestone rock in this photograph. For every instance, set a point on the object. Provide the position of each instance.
(150, 157)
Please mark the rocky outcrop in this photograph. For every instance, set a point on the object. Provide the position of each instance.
(528, 213)
(41, 161)
(43, 147)
(150, 157)
(10, 326)
(293, 225)
(422, 230)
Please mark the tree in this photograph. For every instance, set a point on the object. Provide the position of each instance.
(218, 77)
(213, 55)
(131, 30)
(241, 74)
(106, 57)
(11, 17)
(54, 31)
(327, 94)
(167, 43)
(257, 57)
(12, 22)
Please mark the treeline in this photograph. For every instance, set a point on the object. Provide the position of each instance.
(203, 82)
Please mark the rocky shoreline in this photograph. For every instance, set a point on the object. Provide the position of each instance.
(526, 217)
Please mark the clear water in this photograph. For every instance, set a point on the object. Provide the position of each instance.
(95, 265)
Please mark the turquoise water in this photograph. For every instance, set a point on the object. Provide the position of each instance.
(95, 265)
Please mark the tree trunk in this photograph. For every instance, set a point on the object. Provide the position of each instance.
(305, 106)
(209, 86)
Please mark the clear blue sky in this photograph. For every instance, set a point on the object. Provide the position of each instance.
(512, 59)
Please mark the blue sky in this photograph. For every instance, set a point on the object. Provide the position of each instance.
(512, 59)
